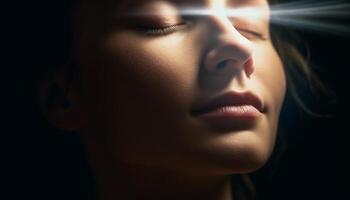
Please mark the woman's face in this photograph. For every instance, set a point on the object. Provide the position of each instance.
(199, 93)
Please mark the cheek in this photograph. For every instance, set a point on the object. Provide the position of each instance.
(146, 86)
(269, 79)
(271, 76)
(164, 69)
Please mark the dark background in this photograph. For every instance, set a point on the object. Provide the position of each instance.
(312, 157)
(313, 164)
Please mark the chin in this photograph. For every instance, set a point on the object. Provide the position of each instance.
(244, 153)
(249, 164)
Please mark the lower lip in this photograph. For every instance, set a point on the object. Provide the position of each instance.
(231, 117)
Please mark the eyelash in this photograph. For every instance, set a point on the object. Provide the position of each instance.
(255, 34)
(176, 27)
(162, 30)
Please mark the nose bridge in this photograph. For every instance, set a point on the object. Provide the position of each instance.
(229, 44)
(226, 32)
(221, 23)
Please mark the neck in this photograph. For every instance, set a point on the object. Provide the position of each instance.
(127, 182)
(122, 181)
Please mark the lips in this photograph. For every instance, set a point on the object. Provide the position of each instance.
(231, 109)
(231, 99)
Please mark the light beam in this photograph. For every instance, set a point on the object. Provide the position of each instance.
(330, 17)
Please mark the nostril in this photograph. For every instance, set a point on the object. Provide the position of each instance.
(225, 63)
(248, 67)
(222, 65)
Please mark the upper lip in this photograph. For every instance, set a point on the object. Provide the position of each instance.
(231, 98)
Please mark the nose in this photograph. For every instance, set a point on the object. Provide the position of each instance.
(230, 52)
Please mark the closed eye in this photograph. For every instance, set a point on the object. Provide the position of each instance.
(249, 34)
(161, 30)
(168, 29)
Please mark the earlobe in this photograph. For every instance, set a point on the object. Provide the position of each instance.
(61, 103)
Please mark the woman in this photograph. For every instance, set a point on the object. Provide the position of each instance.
(168, 106)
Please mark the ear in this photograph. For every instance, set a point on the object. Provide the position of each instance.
(60, 99)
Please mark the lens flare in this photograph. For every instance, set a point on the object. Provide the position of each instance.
(247, 12)
(331, 17)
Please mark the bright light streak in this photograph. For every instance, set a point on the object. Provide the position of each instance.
(246, 12)
(330, 17)
(312, 15)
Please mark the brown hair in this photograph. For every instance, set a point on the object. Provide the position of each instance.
(299, 71)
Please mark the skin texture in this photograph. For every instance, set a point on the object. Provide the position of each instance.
(133, 98)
